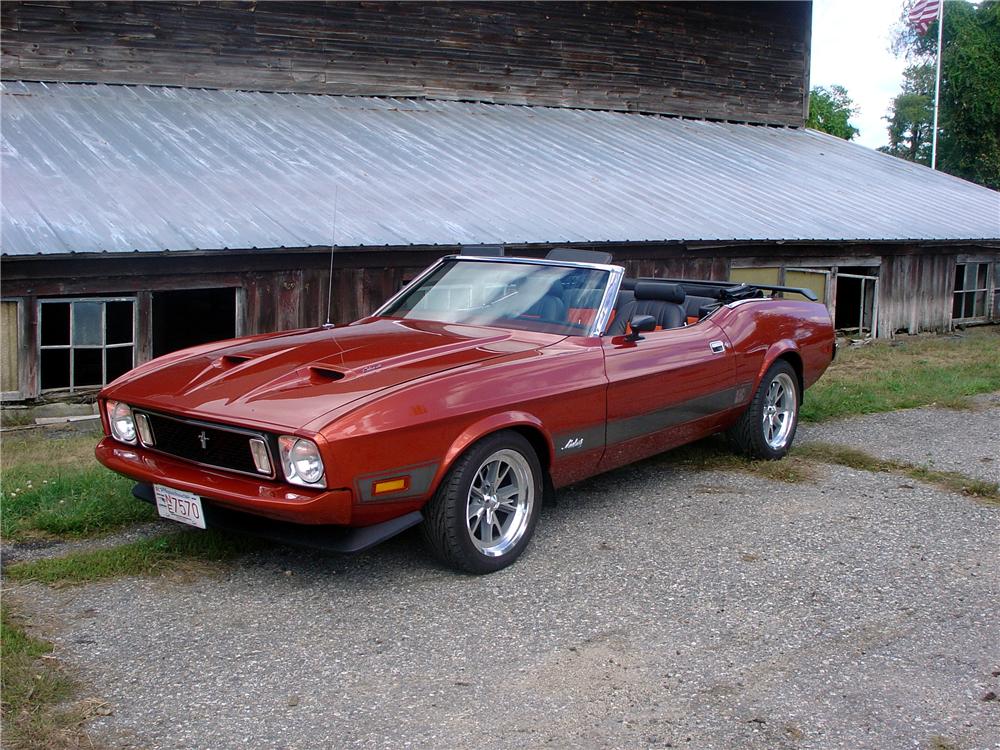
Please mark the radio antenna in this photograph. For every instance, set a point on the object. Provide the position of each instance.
(333, 247)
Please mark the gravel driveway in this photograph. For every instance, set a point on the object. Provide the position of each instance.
(954, 440)
(656, 608)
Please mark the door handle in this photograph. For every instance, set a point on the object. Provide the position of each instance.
(717, 347)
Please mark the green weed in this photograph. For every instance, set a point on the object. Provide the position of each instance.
(55, 488)
(909, 372)
(714, 454)
(952, 481)
(161, 554)
(35, 693)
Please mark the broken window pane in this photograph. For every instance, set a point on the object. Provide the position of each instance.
(119, 361)
(75, 336)
(55, 324)
(54, 368)
(119, 323)
(88, 367)
(980, 310)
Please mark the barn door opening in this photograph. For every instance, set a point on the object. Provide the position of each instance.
(856, 307)
(190, 317)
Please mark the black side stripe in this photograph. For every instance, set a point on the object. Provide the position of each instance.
(645, 424)
(620, 430)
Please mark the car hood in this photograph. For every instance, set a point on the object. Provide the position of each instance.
(291, 379)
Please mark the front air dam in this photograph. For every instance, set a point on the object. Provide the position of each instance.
(343, 539)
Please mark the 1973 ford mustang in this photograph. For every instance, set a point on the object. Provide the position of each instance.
(484, 384)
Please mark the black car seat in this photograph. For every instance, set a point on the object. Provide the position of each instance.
(582, 306)
(624, 297)
(696, 308)
(550, 307)
(665, 302)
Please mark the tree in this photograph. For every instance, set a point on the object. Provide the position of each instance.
(911, 116)
(969, 113)
(830, 110)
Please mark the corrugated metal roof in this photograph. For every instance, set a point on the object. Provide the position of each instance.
(97, 168)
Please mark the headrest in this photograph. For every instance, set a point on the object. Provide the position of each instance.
(660, 291)
(575, 255)
(624, 297)
(482, 251)
(628, 284)
(544, 287)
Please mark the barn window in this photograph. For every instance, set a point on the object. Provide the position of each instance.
(971, 301)
(85, 343)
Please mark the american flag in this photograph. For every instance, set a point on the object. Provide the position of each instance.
(923, 13)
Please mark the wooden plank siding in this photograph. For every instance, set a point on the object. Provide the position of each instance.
(723, 60)
(10, 347)
(284, 289)
(915, 293)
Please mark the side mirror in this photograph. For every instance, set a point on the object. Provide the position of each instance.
(640, 324)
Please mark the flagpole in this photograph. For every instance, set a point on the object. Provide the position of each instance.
(937, 85)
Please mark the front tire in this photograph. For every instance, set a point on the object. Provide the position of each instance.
(483, 515)
(767, 427)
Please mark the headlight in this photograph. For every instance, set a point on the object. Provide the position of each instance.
(301, 461)
(122, 422)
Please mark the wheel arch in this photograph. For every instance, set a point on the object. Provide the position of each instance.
(525, 424)
(787, 351)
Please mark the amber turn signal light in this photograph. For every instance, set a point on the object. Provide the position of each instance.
(396, 484)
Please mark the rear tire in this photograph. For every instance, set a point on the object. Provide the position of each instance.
(483, 515)
(767, 428)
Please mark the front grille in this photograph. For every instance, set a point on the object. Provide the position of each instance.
(205, 443)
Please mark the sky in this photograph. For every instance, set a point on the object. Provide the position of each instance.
(850, 47)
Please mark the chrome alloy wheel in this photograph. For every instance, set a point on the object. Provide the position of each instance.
(779, 411)
(500, 501)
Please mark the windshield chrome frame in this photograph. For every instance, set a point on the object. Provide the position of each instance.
(601, 320)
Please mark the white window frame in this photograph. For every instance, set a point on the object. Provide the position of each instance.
(103, 346)
(986, 291)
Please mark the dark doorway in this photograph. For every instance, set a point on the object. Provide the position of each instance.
(856, 305)
(192, 316)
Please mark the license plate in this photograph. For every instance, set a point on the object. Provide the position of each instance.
(179, 505)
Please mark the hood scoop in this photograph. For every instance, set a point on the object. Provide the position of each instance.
(322, 374)
(234, 359)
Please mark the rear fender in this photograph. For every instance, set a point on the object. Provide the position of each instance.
(487, 426)
(777, 350)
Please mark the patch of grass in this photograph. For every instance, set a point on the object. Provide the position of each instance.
(161, 554)
(20, 450)
(844, 456)
(35, 694)
(54, 487)
(909, 372)
(15, 417)
(713, 454)
(853, 458)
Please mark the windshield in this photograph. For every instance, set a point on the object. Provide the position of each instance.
(526, 296)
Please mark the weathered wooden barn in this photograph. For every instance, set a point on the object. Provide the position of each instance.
(176, 172)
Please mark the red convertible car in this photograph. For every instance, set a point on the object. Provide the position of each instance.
(483, 385)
